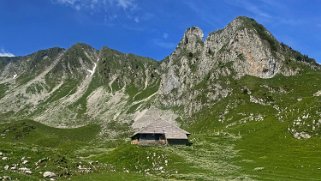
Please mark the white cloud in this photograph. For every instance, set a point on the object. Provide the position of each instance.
(110, 10)
(98, 4)
(71, 2)
(125, 3)
(4, 53)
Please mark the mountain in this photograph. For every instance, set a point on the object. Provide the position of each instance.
(80, 85)
(251, 103)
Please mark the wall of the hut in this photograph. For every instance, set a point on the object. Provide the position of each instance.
(135, 141)
(145, 139)
(177, 141)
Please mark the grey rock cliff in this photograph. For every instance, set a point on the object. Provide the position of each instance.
(196, 67)
(241, 43)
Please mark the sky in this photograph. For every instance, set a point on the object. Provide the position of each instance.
(150, 28)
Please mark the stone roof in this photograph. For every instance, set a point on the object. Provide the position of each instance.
(163, 127)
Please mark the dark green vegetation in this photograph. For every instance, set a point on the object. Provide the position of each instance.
(3, 89)
(132, 68)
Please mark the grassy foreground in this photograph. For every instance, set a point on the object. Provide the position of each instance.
(261, 151)
(29, 149)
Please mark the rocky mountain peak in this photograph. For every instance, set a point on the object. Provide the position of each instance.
(248, 45)
(194, 33)
(241, 20)
(238, 23)
(82, 46)
(192, 39)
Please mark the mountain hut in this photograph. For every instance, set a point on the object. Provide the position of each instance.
(160, 133)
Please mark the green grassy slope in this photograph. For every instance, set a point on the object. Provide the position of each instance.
(62, 151)
(266, 148)
(269, 152)
(44, 148)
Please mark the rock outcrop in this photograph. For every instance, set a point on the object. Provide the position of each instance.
(243, 47)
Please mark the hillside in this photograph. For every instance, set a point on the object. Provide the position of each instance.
(250, 102)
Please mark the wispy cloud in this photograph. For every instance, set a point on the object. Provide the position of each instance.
(4, 53)
(110, 11)
(98, 4)
(125, 4)
(66, 1)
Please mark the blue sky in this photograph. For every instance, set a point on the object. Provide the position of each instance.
(149, 28)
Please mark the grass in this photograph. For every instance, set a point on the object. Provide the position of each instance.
(56, 148)
(205, 160)
(133, 107)
(63, 150)
(114, 176)
(35, 88)
(147, 92)
(3, 89)
(69, 87)
(132, 90)
(269, 145)
(81, 103)
(30, 132)
(266, 150)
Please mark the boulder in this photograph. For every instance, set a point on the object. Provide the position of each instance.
(49, 174)
(25, 170)
(5, 178)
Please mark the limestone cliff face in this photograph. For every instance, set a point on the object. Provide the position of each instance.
(183, 82)
(178, 67)
(192, 40)
(242, 43)
(196, 67)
